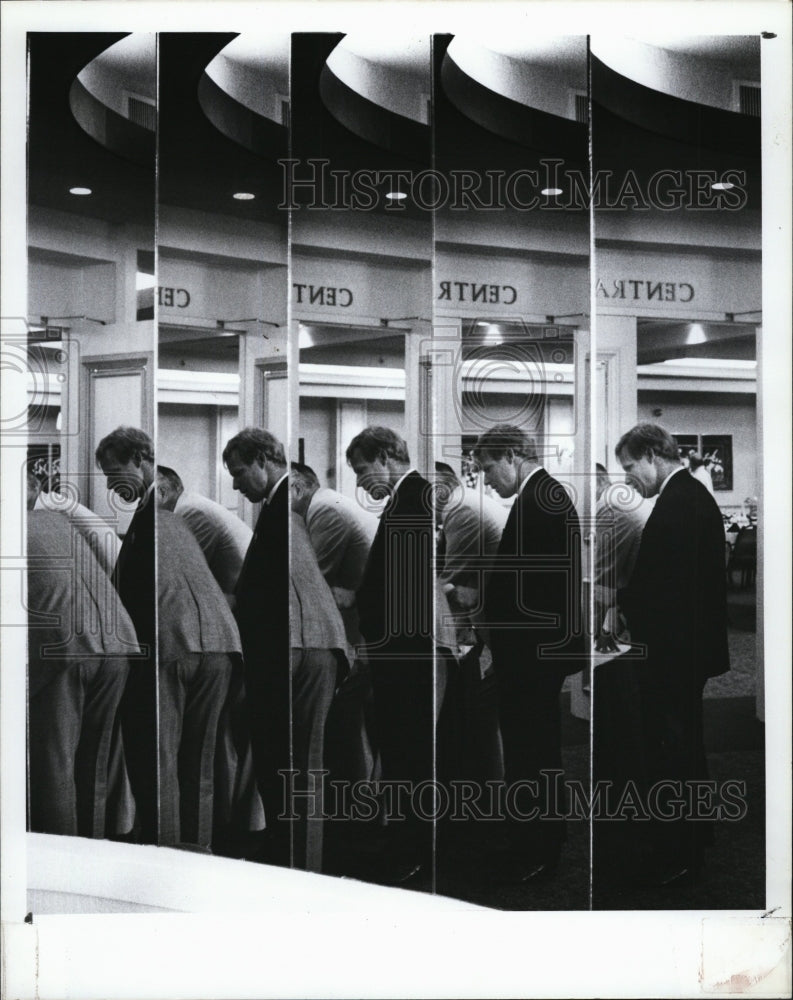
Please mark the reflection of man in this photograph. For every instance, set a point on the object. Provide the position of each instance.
(395, 609)
(471, 527)
(471, 524)
(224, 540)
(620, 516)
(79, 641)
(126, 457)
(341, 534)
(256, 462)
(195, 636)
(532, 607)
(676, 605)
(98, 532)
(223, 537)
(318, 660)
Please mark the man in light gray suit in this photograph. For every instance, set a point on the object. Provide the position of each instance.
(224, 540)
(471, 524)
(341, 534)
(223, 537)
(318, 661)
(196, 640)
(80, 641)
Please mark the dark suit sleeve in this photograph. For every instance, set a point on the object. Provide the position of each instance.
(262, 591)
(395, 599)
(675, 602)
(533, 598)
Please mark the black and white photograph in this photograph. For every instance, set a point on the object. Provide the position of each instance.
(396, 508)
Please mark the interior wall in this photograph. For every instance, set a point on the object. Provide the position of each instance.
(712, 413)
(186, 441)
(317, 429)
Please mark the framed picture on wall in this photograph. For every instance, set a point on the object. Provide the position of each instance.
(686, 443)
(718, 449)
(715, 450)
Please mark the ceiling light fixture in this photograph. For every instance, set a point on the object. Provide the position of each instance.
(396, 195)
(80, 191)
(722, 186)
(551, 191)
(696, 334)
(244, 196)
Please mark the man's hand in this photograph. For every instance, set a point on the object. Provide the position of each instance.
(344, 598)
(606, 643)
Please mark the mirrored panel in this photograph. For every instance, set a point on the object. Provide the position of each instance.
(362, 529)
(90, 536)
(511, 377)
(679, 675)
(222, 424)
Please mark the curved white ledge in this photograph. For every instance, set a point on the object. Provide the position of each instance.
(76, 875)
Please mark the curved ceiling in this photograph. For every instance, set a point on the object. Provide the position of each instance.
(393, 73)
(62, 154)
(658, 109)
(380, 91)
(542, 72)
(126, 67)
(105, 91)
(509, 112)
(213, 143)
(253, 69)
(362, 141)
(703, 70)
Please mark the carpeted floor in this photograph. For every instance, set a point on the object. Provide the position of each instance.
(734, 873)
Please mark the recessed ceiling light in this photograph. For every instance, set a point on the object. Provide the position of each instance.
(80, 190)
(396, 195)
(244, 196)
(722, 186)
(551, 191)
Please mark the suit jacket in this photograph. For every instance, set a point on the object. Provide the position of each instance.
(341, 533)
(676, 601)
(620, 518)
(99, 533)
(262, 590)
(472, 533)
(314, 619)
(134, 577)
(223, 537)
(533, 595)
(74, 613)
(395, 596)
(193, 614)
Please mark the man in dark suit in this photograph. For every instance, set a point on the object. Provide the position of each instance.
(175, 704)
(676, 608)
(126, 457)
(257, 464)
(533, 614)
(395, 605)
